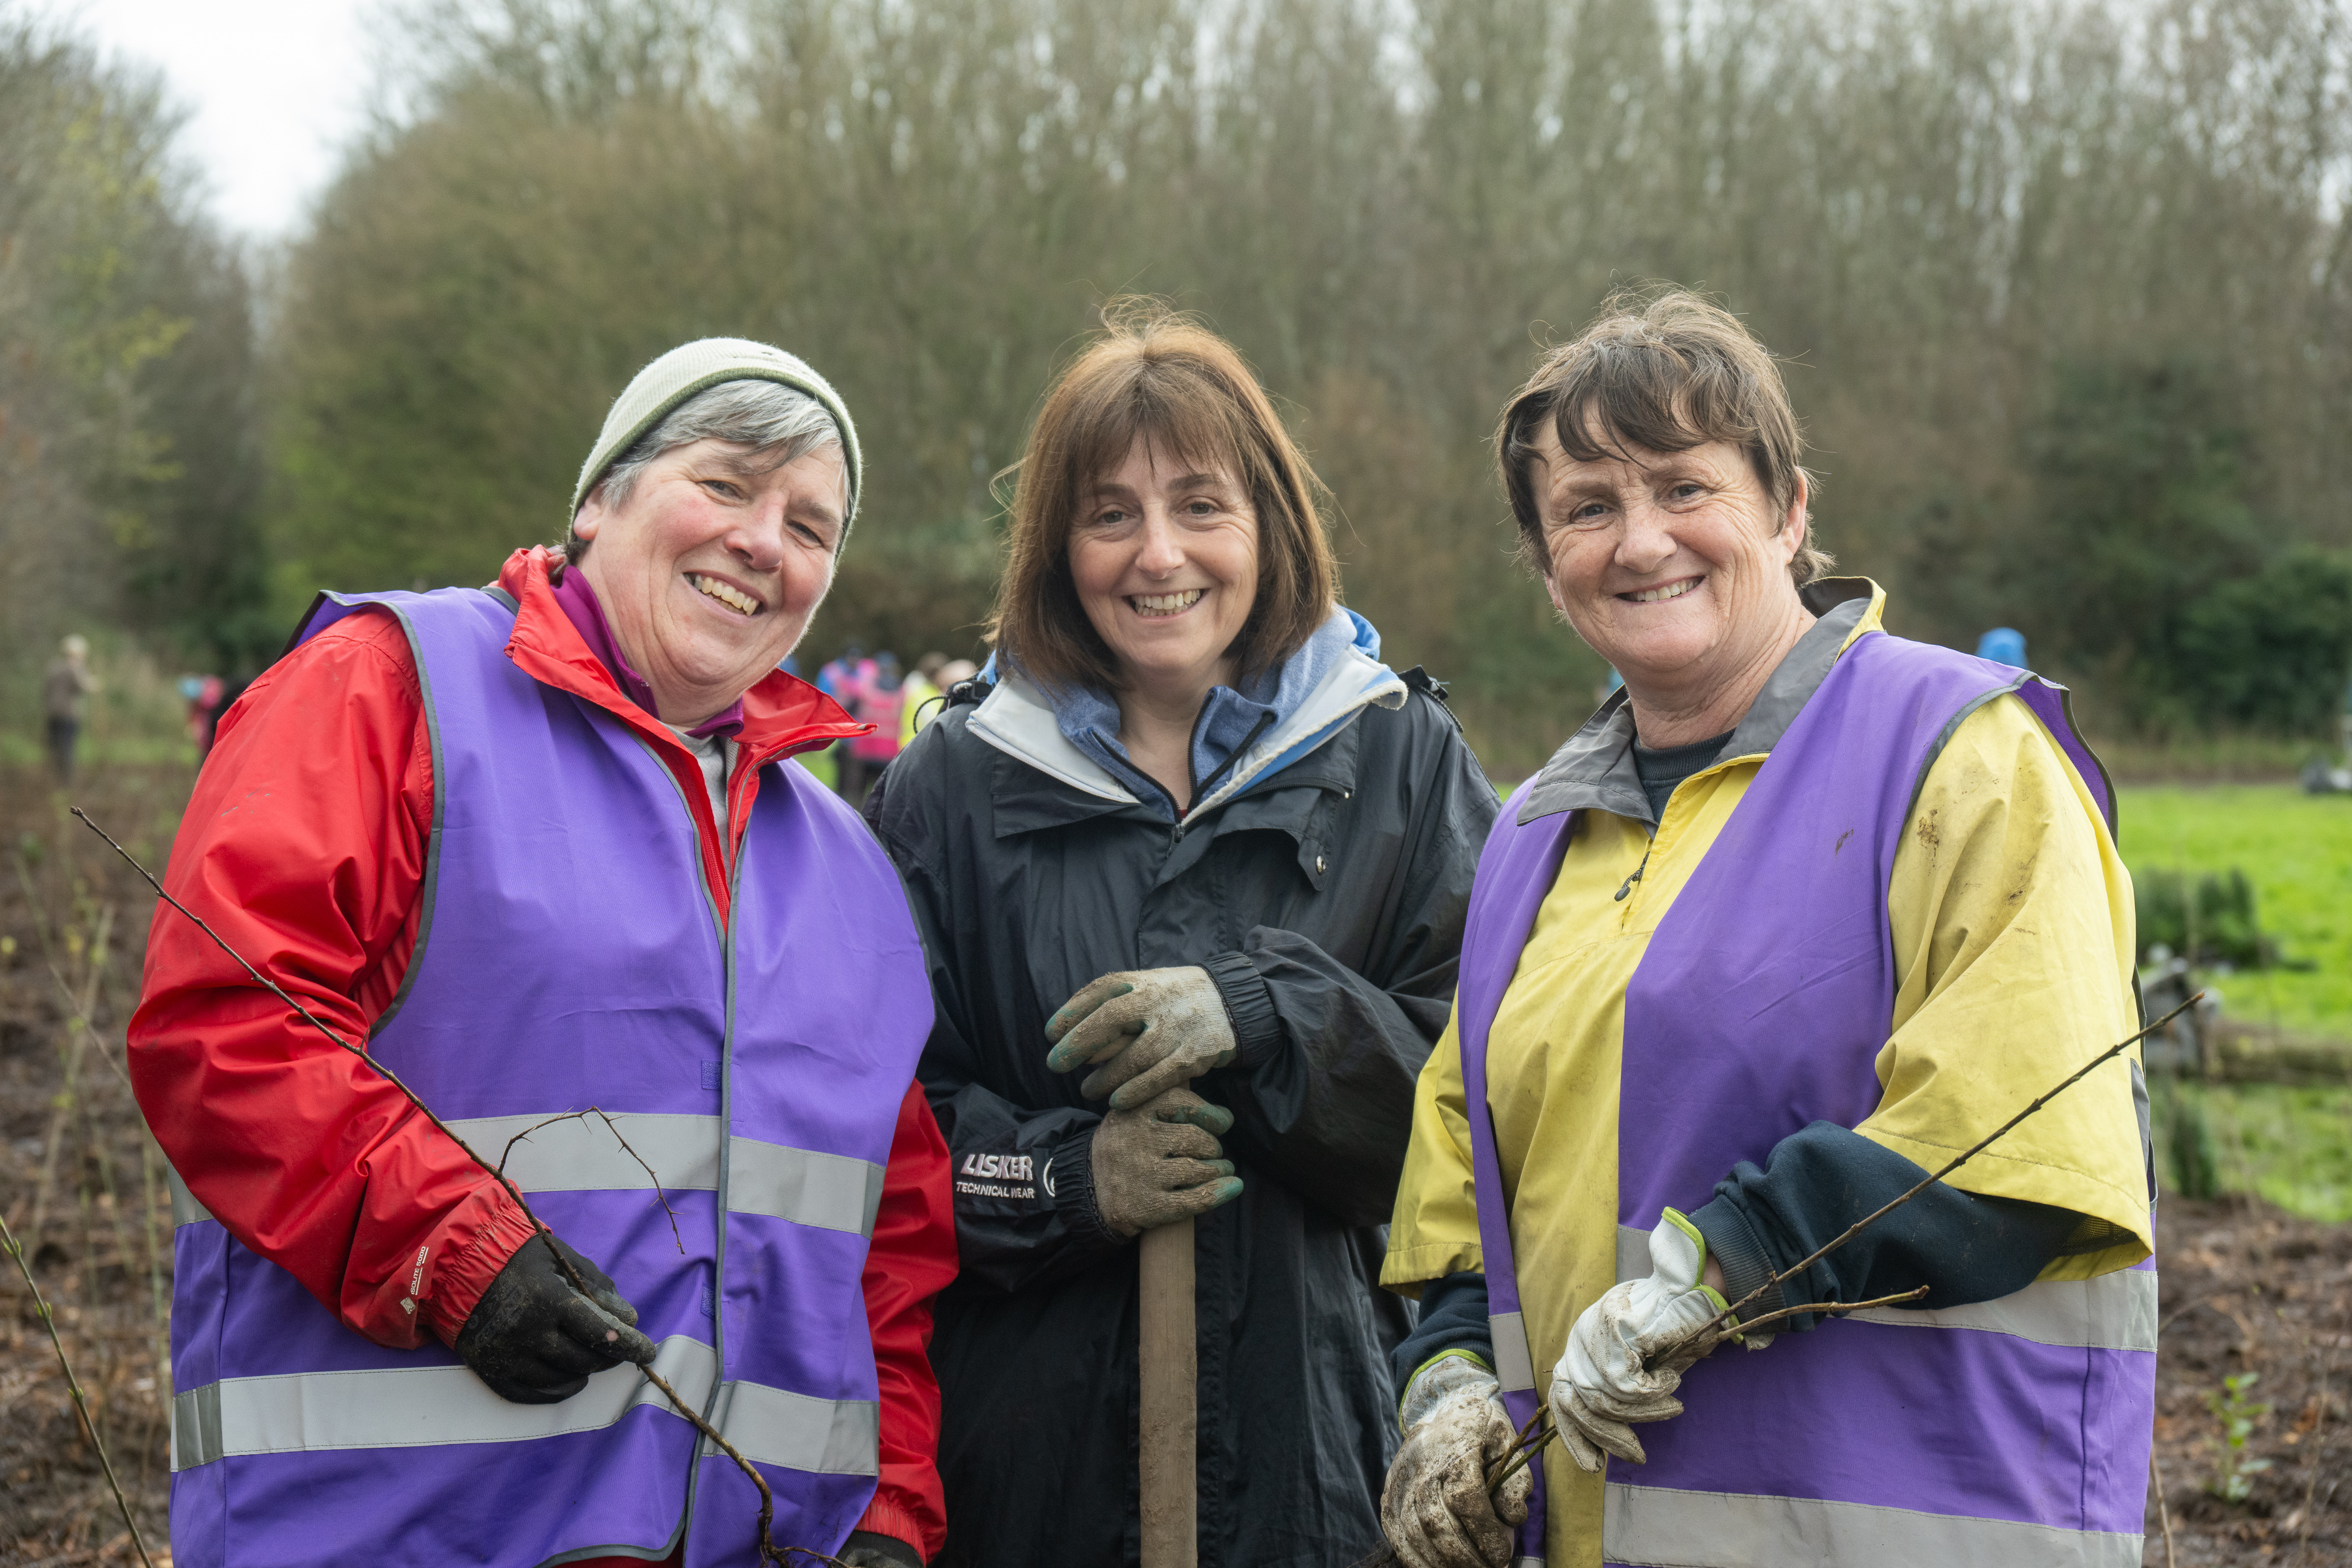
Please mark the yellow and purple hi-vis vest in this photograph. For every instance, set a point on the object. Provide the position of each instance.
(2013, 1432)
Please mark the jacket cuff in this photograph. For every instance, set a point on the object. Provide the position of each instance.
(1074, 1190)
(884, 1517)
(1257, 1028)
(1732, 1242)
(462, 1275)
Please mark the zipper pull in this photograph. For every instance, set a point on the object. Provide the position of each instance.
(1636, 876)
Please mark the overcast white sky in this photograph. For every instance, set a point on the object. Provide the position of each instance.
(274, 87)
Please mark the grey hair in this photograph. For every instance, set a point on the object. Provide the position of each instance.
(780, 423)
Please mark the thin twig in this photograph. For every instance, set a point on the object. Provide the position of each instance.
(81, 1017)
(1538, 1432)
(2313, 1456)
(1732, 1311)
(1832, 1308)
(73, 1386)
(768, 1551)
(1527, 1447)
(2163, 1513)
(659, 1196)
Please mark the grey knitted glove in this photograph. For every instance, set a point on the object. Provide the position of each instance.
(1161, 1162)
(1147, 1031)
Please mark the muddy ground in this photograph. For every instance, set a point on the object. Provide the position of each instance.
(2246, 1287)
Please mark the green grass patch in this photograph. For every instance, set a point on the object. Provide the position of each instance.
(2292, 1146)
(2297, 850)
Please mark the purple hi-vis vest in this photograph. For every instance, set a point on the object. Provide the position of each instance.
(2013, 1432)
(568, 953)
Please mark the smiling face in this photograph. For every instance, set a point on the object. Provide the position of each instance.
(1164, 557)
(710, 570)
(1673, 566)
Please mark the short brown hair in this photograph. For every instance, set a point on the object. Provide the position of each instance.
(1666, 371)
(1161, 375)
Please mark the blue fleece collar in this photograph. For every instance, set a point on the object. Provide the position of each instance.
(1230, 719)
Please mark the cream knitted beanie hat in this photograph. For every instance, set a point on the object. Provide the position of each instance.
(694, 367)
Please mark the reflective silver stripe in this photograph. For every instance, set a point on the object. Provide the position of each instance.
(799, 1432)
(1515, 1368)
(1632, 1254)
(1660, 1527)
(195, 1427)
(832, 1192)
(581, 1155)
(2115, 1311)
(185, 1210)
(410, 1407)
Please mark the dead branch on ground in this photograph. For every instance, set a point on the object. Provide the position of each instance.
(15, 1249)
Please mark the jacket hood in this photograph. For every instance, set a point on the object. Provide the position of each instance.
(1241, 737)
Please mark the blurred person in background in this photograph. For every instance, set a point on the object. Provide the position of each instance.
(1801, 912)
(843, 678)
(955, 672)
(1190, 872)
(2003, 645)
(66, 687)
(921, 702)
(536, 844)
(881, 705)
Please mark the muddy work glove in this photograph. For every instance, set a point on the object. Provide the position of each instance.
(1146, 1031)
(1604, 1381)
(1435, 1510)
(535, 1340)
(1161, 1162)
(868, 1550)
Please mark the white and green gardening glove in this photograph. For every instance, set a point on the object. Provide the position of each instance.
(1435, 1510)
(1604, 1380)
(1146, 1031)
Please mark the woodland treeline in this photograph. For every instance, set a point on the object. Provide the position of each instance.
(2063, 285)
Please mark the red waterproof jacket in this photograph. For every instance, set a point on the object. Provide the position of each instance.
(304, 847)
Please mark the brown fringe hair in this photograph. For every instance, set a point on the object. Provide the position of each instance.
(1666, 370)
(1159, 375)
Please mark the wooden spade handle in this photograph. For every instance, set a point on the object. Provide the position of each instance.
(1171, 1398)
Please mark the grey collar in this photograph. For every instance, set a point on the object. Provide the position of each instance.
(1595, 769)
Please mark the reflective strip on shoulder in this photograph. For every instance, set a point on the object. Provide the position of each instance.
(799, 1432)
(1645, 1527)
(406, 1407)
(2114, 1312)
(1514, 1364)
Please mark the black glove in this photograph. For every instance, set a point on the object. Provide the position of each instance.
(868, 1550)
(534, 1339)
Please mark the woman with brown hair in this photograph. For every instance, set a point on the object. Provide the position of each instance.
(1188, 831)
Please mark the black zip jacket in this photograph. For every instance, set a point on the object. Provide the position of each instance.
(1327, 902)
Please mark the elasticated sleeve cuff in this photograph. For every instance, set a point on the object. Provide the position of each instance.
(1074, 1190)
(498, 1231)
(1257, 1028)
(1731, 1241)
